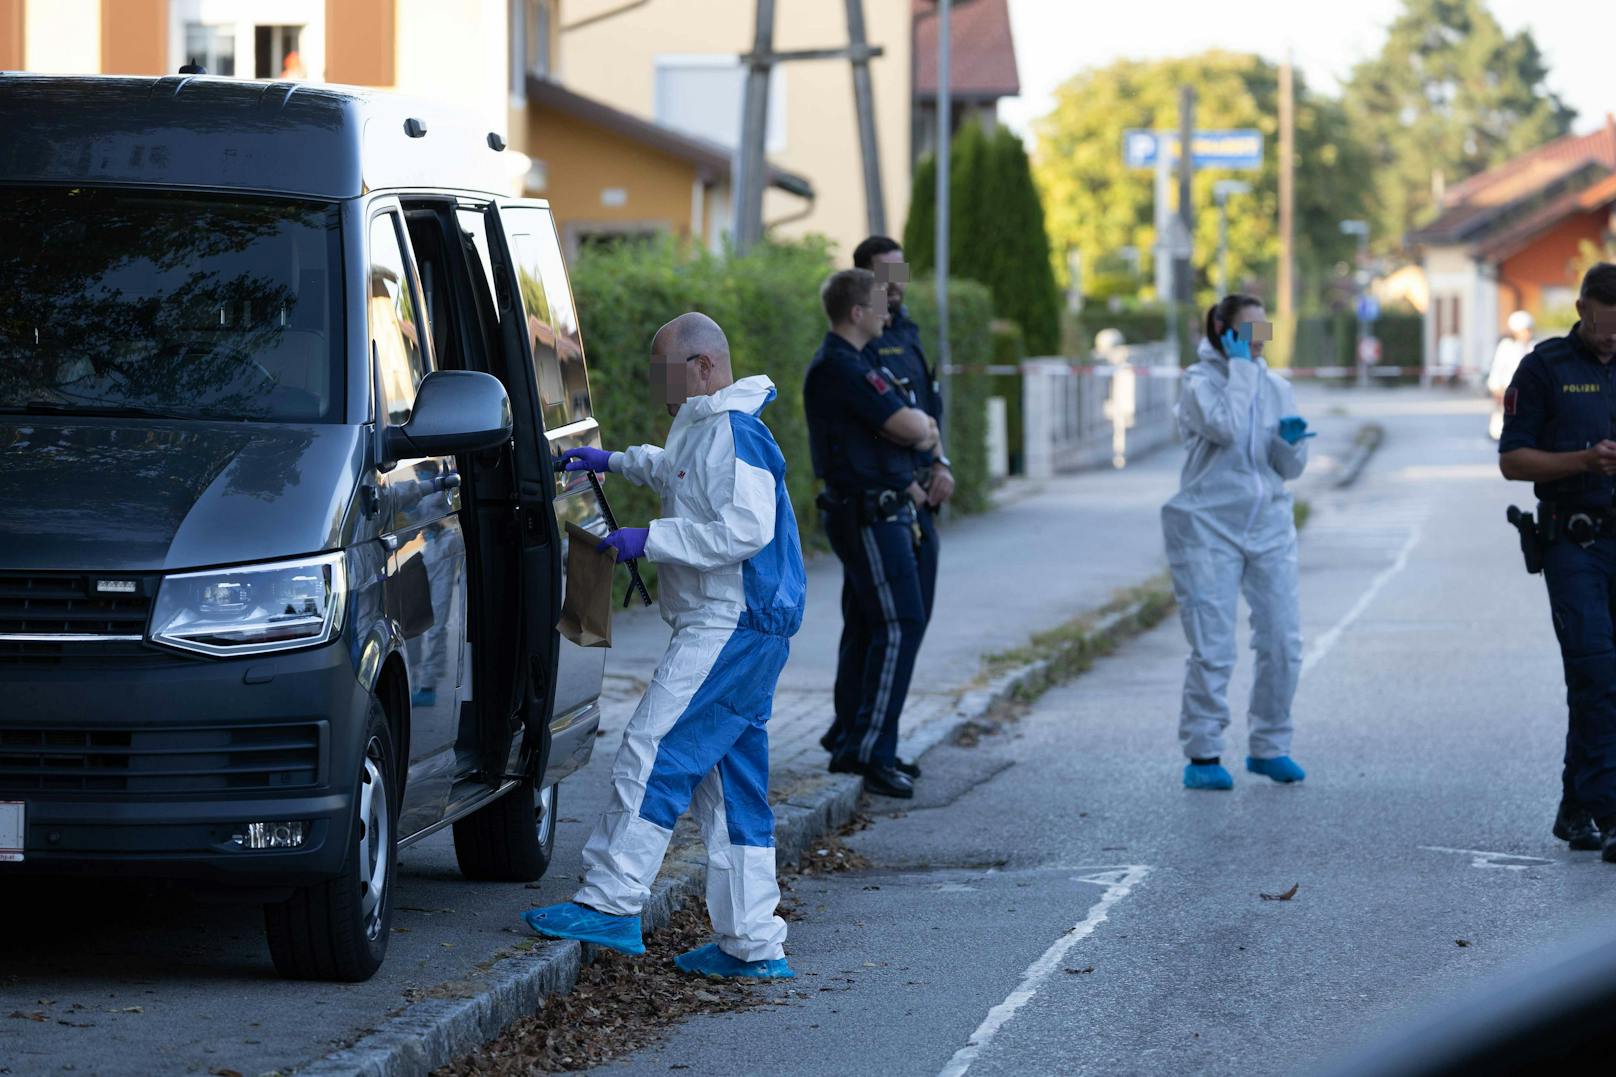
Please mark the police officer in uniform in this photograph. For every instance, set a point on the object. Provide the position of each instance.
(898, 355)
(1560, 434)
(863, 435)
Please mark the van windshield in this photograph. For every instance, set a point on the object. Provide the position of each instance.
(124, 302)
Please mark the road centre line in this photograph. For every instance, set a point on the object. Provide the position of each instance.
(1328, 640)
(1481, 858)
(1118, 883)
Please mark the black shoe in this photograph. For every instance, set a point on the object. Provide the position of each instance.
(844, 764)
(892, 782)
(1608, 852)
(1573, 824)
(828, 741)
(911, 769)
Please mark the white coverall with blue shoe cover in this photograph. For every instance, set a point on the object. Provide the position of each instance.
(1230, 530)
(731, 583)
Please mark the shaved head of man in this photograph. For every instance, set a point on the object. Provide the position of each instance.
(689, 357)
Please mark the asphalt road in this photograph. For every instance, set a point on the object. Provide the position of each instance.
(1054, 901)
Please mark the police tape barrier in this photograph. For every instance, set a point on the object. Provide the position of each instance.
(1106, 370)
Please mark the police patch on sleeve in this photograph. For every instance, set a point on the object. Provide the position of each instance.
(877, 381)
(1511, 395)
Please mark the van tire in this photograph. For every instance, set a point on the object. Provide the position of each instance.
(510, 840)
(330, 931)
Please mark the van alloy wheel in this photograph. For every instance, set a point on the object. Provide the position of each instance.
(375, 837)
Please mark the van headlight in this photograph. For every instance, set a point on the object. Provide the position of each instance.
(255, 609)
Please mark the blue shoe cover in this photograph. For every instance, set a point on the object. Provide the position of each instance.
(1207, 776)
(1281, 768)
(569, 920)
(709, 960)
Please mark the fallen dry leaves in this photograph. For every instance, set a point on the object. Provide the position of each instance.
(1286, 896)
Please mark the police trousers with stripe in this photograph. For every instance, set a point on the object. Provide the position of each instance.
(1582, 596)
(698, 740)
(884, 614)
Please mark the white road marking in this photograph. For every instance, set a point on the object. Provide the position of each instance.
(1328, 640)
(1481, 858)
(1118, 883)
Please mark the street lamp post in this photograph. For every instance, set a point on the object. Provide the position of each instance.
(1220, 193)
(1360, 279)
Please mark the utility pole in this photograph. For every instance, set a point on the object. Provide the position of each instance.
(746, 189)
(1286, 300)
(1183, 261)
(751, 166)
(875, 206)
(1360, 282)
(945, 123)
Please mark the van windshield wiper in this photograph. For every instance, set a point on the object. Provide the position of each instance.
(116, 411)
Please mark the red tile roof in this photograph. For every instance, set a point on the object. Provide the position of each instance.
(982, 54)
(1475, 210)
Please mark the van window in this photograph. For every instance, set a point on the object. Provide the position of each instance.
(395, 325)
(552, 320)
(179, 305)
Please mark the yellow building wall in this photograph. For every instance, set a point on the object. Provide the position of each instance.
(615, 61)
(581, 162)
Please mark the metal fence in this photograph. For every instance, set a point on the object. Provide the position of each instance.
(1106, 411)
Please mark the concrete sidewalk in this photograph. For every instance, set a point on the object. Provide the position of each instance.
(1051, 552)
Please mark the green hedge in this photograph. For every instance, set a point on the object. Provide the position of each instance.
(970, 337)
(768, 305)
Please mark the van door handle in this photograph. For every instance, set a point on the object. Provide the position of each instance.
(446, 482)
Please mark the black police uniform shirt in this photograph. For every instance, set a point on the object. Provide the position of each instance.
(847, 400)
(1563, 399)
(898, 350)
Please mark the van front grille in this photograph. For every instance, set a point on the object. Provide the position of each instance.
(173, 761)
(73, 605)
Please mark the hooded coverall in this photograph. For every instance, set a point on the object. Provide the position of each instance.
(731, 583)
(1230, 531)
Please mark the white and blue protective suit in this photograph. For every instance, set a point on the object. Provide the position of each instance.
(731, 583)
(1230, 531)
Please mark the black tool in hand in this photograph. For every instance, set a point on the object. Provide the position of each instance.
(611, 525)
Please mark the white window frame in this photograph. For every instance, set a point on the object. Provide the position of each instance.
(244, 17)
(775, 140)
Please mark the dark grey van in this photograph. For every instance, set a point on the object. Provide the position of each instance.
(282, 376)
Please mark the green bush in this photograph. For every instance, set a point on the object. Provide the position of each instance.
(970, 336)
(996, 230)
(768, 305)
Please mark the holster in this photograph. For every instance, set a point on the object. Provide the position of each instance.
(1532, 539)
(869, 506)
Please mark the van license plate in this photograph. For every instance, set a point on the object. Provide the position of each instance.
(11, 831)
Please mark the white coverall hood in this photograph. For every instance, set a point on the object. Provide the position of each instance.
(1230, 530)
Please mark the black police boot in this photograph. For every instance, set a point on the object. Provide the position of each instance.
(889, 782)
(909, 768)
(844, 764)
(828, 741)
(1573, 823)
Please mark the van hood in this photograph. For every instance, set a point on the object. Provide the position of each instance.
(85, 494)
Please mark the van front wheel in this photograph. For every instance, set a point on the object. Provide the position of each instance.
(338, 930)
(510, 840)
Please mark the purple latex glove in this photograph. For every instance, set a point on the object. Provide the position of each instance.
(629, 542)
(587, 458)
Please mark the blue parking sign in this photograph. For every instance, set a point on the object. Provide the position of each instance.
(1368, 308)
(1240, 147)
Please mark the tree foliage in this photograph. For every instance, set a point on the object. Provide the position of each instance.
(1099, 206)
(1449, 95)
(996, 230)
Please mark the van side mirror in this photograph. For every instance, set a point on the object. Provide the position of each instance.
(455, 411)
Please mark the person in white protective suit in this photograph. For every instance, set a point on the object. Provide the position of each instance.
(1506, 360)
(731, 582)
(1230, 531)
